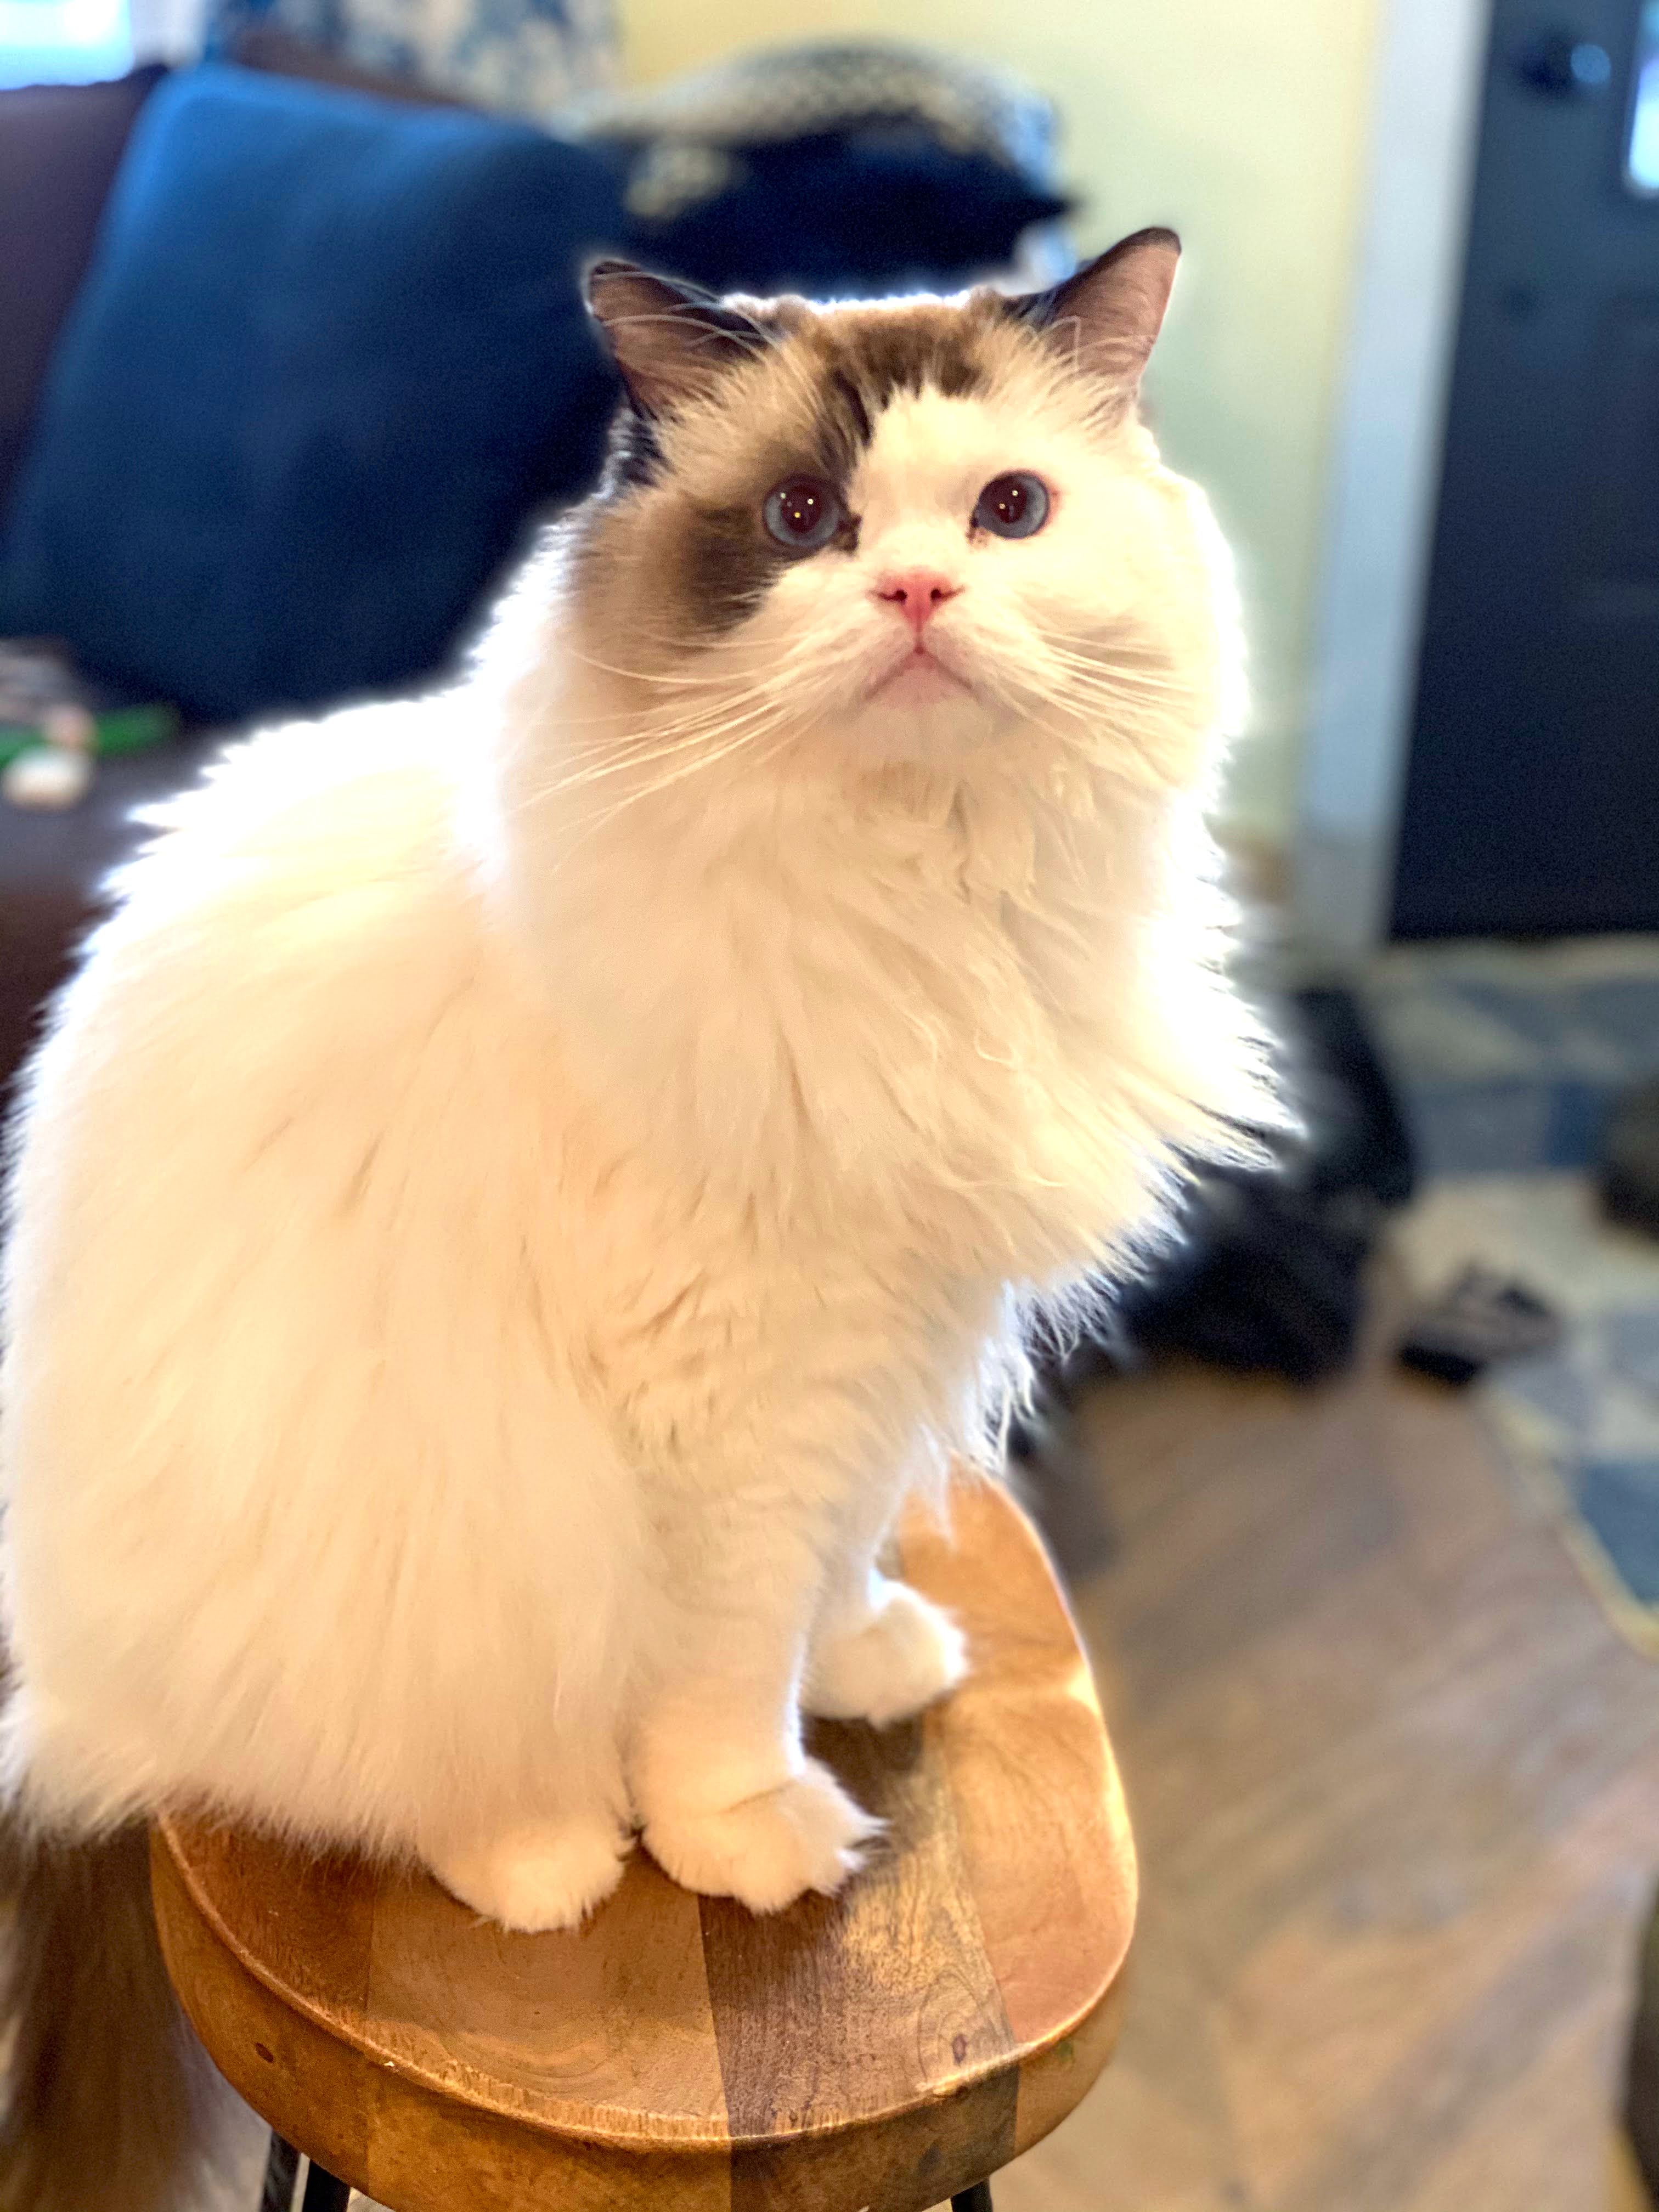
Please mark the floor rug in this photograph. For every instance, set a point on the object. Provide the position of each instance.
(1506, 1060)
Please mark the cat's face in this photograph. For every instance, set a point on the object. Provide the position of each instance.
(905, 530)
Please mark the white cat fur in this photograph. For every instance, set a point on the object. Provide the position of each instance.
(500, 1219)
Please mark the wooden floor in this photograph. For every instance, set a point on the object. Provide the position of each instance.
(1396, 1787)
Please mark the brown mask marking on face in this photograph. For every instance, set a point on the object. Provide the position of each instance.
(678, 527)
(848, 366)
(863, 358)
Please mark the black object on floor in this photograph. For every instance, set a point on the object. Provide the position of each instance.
(1357, 1136)
(1266, 1270)
(1642, 2061)
(1482, 1318)
(1627, 1169)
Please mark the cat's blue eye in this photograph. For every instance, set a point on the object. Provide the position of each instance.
(802, 514)
(1014, 506)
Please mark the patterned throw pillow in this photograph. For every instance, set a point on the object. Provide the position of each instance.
(838, 166)
(826, 87)
(524, 57)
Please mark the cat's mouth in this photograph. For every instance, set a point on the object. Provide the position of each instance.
(916, 680)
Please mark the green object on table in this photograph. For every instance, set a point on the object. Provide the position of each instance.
(121, 730)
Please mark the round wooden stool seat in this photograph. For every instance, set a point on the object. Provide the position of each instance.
(885, 2048)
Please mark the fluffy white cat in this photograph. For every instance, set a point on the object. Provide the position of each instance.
(524, 1183)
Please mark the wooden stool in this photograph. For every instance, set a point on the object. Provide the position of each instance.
(887, 2048)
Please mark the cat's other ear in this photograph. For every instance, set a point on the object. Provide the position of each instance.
(1105, 320)
(671, 341)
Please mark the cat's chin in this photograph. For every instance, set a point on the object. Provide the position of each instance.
(919, 681)
(923, 713)
(934, 735)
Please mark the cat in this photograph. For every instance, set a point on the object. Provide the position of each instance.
(526, 1181)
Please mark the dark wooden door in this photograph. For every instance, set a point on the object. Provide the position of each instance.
(1532, 791)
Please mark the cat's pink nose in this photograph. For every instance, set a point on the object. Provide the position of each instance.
(918, 594)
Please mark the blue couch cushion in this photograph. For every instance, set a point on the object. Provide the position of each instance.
(329, 356)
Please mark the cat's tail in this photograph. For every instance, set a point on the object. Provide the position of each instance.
(112, 2104)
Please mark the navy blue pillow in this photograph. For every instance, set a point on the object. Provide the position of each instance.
(876, 208)
(329, 356)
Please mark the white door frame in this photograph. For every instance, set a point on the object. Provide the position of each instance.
(1385, 469)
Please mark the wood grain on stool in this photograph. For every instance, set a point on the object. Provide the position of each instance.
(884, 2048)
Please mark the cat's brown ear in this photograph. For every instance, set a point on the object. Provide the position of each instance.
(1107, 318)
(671, 341)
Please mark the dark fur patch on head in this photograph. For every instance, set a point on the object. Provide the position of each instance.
(635, 456)
(857, 362)
(862, 360)
(712, 564)
(928, 348)
(727, 560)
(725, 567)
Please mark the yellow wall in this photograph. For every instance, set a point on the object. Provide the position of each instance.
(1242, 124)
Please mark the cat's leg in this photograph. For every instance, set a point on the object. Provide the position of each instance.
(880, 1651)
(545, 1866)
(730, 1804)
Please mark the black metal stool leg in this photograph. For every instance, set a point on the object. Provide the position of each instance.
(280, 2168)
(324, 2193)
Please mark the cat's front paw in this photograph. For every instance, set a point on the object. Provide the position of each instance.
(768, 1851)
(909, 1654)
(538, 1877)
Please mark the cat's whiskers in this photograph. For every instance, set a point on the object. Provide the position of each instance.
(1157, 690)
(593, 822)
(1077, 699)
(785, 689)
(613, 762)
(681, 682)
(1100, 672)
(693, 742)
(798, 689)
(1144, 691)
(1147, 665)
